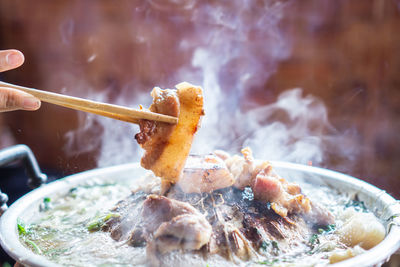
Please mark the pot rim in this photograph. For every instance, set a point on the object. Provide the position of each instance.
(9, 238)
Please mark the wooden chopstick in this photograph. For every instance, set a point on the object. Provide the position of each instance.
(99, 108)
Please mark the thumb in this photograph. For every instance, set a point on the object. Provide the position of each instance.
(12, 99)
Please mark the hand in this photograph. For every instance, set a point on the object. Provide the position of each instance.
(12, 99)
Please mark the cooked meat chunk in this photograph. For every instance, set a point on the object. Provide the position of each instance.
(266, 187)
(319, 215)
(187, 232)
(244, 169)
(284, 197)
(269, 187)
(172, 224)
(205, 174)
(167, 146)
(127, 226)
(153, 135)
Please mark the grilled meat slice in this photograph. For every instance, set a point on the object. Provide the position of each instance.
(173, 224)
(167, 146)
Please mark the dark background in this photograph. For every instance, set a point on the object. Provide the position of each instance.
(347, 53)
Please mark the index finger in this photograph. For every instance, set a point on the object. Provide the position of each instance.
(10, 59)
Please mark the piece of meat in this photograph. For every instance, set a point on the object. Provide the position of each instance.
(153, 133)
(188, 232)
(319, 215)
(171, 224)
(167, 146)
(205, 174)
(244, 169)
(266, 187)
(284, 197)
(123, 227)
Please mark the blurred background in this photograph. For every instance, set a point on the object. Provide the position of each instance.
(248, 57)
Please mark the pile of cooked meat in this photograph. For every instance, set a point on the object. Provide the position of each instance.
(242, 209)
(233, 206)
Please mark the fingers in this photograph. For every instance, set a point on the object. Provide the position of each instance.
(10, 59)
(12, 99)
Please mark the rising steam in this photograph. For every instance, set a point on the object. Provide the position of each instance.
(233, 54)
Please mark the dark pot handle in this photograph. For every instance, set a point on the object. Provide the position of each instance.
(35, 176)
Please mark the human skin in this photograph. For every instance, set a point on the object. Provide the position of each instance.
(12, 99)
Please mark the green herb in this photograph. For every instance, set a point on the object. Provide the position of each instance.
(268, 262)
(274, 244)
(357, 205)
(327, 229)
(264, 245)
(6, 264)
(72, 192)
(98, 222)
(314, 239)
(34, 246)
(21, 227)
(46, 205)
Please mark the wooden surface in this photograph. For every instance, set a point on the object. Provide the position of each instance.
(347, 53)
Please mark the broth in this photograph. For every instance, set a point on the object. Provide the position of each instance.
(65, 230)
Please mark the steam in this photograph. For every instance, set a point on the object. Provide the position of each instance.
(241, 53)
(113, 139)
(233, 54)
(296, 129)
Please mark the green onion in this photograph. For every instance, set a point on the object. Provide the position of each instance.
(21, 227)
(327, 229)
(264, 245)
(268, 262)
(46, 205)
(274, 244)
(34, 246)
(314, 239)
(99, 221)
(357, 205)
